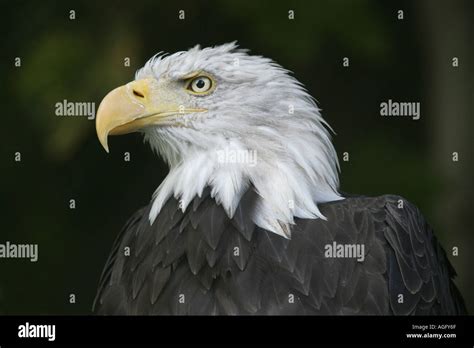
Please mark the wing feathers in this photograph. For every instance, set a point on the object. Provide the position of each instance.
(200, 261)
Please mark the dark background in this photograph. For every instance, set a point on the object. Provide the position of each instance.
(81, 60)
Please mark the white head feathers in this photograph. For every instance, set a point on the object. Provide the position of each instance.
(262, 129)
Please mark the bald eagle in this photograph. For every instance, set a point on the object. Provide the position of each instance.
(249, 219)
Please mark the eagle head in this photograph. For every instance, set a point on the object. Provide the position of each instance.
(230, 121)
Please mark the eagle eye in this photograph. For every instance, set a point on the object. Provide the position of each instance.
(200, 85)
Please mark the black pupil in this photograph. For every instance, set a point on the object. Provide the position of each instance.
(200, 83)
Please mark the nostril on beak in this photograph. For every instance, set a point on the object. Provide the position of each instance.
(138, 94)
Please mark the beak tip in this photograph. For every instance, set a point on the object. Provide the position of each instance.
(105, 145)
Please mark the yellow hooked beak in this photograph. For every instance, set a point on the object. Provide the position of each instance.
(135, 106)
